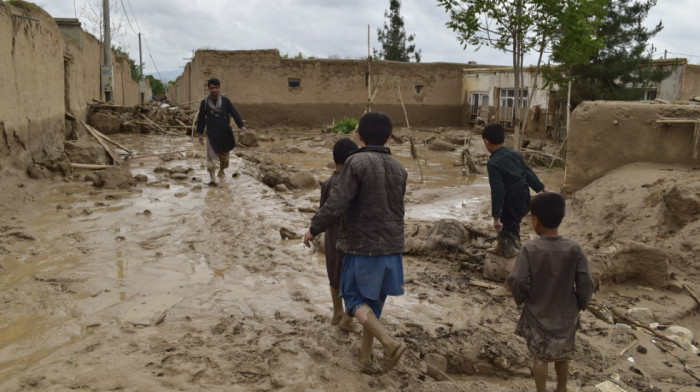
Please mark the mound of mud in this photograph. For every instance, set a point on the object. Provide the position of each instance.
(639, 222)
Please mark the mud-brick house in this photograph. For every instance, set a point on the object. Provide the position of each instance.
(489, 93)
(682, 84)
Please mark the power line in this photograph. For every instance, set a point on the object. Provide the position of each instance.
(148, 48)
(127, 17)
(684, 54)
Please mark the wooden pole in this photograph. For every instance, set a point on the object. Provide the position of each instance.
(93, 132)
(111, 141)
(89, 166)
(370, 97)
(157, 126)
(568, 109)
(414, 153)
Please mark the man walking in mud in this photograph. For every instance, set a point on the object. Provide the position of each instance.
(368, 199)
(214, 111)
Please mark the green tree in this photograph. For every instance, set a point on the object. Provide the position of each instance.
(135, 71)
(396, 45)
(157, 87)
(520, 27)
(622, 66)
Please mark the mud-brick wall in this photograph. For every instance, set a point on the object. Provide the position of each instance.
(605, 135)
(258, 83)
(31, 86)
(82, 73)
(691, 82)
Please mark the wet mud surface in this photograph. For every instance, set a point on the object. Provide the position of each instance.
(176, 285)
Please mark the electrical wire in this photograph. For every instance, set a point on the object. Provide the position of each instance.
(148, 48)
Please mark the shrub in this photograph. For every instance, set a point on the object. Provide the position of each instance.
(346, 125)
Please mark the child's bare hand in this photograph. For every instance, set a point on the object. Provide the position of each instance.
(307, 238)
(497, 224)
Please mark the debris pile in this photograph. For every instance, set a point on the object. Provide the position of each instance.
(147, 118)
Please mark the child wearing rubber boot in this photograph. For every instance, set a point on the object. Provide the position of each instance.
(552, 278)
(334, 257)
(368, 199)
(510, 180)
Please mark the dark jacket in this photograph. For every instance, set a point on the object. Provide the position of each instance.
(368, 198)
(507, 173)
(219, 131)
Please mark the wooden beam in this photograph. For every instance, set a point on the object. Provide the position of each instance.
(102, 135)
(94, 132)
(89, 166)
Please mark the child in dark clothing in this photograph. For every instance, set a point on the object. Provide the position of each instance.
(334, 257)
(368, 195)
(552, 278)
(510, 180)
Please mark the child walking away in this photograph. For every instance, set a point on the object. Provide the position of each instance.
(552, 278)
(334, 257)
(510, 180)
(368, 197)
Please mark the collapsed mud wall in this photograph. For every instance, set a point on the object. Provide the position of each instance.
(49, 73)
(269, 90)
(607, 135)
(31, 81)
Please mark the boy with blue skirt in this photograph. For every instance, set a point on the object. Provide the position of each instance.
(368, 198)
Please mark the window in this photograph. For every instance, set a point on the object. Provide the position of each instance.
(480, 102)
(508, 98)
(419, 89)
(650, 94)
(293, 82)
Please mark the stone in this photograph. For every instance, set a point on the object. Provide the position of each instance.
(303, 179)
(281, 188)
(248, 139)
(501, 363)
(441, 145)
(113, 178)
(106, 123)
(38, 172)
(484, 368)
(141, 178)
(675, 286)
(495, 267)
(130, 127)
(641, 349)
(642, 315)
(457, 138)
(85, 151)
(287, 233)
(437, 366)
(683, 201)
(680, 331)
(464, 362)
(179, 176)
(683, 342)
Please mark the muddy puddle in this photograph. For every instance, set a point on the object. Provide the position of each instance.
(175, 285)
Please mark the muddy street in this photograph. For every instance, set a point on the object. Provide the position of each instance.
(175, 285)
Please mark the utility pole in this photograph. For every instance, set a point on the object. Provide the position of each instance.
(142, 83)
(107, 69)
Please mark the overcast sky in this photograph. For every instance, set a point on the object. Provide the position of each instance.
(173, 29)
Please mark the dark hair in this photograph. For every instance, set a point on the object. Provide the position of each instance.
(375, 128)
(549, 208)
(213, 81)
(342, 150)
(495, 133)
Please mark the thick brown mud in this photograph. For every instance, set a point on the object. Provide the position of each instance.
(175, 285)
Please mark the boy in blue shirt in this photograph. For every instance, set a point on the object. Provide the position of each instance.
(368, 199)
